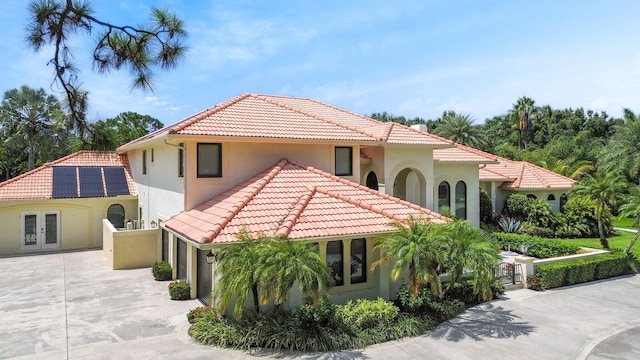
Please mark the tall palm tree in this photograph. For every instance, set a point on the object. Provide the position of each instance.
(623, 150)
(522, 115)
(470, 249)
(574, 170)
(603, 189)
(418, 247)
(30, 118)
(631, 208)
(460, 128)
(236, 269)
(283, 263)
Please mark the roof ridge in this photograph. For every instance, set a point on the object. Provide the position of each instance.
(294, 214)
(369, 190)
(48, 165)
(361, 204)
(261, 182)
(549, 171)
(288, 107)
(188, 121)
(535, 173)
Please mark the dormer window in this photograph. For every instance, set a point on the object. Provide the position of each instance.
(344, 160)
(209, 160)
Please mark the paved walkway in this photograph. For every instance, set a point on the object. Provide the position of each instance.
(72, 306)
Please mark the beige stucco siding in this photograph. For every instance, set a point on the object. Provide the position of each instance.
(453, 173)
(80, 221)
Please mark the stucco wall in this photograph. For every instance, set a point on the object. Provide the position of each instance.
(80, 221)
(419, 160)
(130, 249)
(453, 173)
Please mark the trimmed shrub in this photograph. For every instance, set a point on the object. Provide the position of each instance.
(199, 312)
(179, 290)
(161, 270)
(581, 270)
(366, 314)
(486, 208)
(537, 247)
(464, 293)
(534, 282)
(515, 206)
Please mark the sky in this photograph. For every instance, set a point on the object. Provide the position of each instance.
(408, 58)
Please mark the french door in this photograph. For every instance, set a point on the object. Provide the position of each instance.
(41, 230)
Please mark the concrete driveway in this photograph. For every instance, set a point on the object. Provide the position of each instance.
(72, 306)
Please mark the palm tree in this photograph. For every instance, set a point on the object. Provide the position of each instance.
(417, 246)
(522, 115)
(631, 208)
(460, 128)
(471, 250)
(565, 167)
(623, 151)
(603, 189)
(30, 118)
(236, 269)
(284, 263)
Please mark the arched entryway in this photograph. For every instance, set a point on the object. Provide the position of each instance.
(372, 180)
(410, 185)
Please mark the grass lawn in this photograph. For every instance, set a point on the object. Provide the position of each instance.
(620, 242)
(626, 223)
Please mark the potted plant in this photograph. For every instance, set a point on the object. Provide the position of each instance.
(161, 271)
(179, 290)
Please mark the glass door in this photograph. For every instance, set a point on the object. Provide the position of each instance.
(41, 230)
(50, 230)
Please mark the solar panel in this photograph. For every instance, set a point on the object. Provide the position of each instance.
(65, 184)
(116, 181)
(91, 181)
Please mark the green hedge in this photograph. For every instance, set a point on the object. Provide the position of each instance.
(576, 271)
(537, 247)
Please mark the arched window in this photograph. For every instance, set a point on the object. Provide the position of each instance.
(563, 201)
(372, 180)
(444, 196)
(531, 197)
(551, 197)
(461, 200)
(115, 215)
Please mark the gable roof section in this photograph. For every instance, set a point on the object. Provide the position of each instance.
(517, 175)
(280, 117)
(293, 200)
(38, 183)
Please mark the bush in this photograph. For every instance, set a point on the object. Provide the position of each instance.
(540, 214)
(179, 290)
(531, 229)
(366, 314)
(534, 282)
(424, 304)
(312, 316)
(516, 207)
(579, 213)
(464, 293)
(581, 270)
(537, 247)
(486, 208)
(198, 313)
(161, 270)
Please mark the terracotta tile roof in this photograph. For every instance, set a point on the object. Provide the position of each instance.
(282, 117)
(516, 174)
(37, 184)
(460, 154)
(298, 201)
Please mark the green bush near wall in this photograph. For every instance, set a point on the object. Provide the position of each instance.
(537, 247)
(576, 271)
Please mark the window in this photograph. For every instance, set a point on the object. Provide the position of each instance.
(144, 162)
(563, 201)
(115, 215)
(209, 160)
(551, 197)
(152, 155)
(181, 160)
(358, 261)
(41, 230)
(444, 196)
(531, 197)
(335, 262)
(372, 180)
(461, 200)
(344, 160)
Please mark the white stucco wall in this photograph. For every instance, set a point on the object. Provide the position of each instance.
(420, 160)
